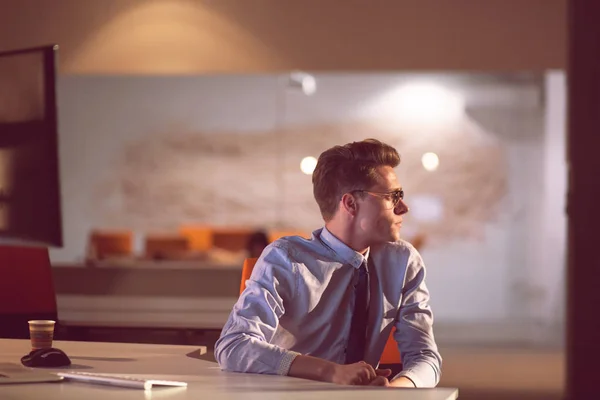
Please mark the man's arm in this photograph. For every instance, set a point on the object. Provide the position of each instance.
(402, 381)
(414, 333)
(245, 342)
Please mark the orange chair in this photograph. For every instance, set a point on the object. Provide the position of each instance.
(391, 355)
(106, 244)
(231, 238)
(247, 271)
(164, 247)
(200, 237)
(26, 289)
(276, 234)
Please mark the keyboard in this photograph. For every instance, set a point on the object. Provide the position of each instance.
(119, 380)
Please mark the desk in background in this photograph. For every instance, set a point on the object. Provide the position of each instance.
(184, 363)
(165, 294)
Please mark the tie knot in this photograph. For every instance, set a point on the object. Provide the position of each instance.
(361, 275)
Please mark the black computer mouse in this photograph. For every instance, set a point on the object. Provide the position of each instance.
(46, 358)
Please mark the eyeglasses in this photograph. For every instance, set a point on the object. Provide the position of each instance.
(395, 196)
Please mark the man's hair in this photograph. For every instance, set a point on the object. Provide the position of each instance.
(342, 169)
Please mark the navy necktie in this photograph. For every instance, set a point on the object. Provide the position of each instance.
(357, 339)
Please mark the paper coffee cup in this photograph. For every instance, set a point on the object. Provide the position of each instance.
(41, 333)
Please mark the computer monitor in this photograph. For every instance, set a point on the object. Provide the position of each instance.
(30, 211)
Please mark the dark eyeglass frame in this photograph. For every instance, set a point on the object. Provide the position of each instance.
(394, 195)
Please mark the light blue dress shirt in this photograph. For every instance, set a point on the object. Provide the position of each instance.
(300, 300)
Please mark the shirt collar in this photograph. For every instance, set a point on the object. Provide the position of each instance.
(345, 253)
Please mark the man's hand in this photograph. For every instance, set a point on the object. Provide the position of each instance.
(359, 373)
(382, 378)
(317, 369)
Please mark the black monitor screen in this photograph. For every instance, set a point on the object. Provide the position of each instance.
(29, 176)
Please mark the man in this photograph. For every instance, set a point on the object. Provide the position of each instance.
(323, 308)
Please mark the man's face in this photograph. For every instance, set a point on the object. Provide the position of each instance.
(378, 217)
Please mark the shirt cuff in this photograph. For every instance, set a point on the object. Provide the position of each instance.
(286, 362)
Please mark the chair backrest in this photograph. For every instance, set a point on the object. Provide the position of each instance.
(106, 244)
(200, 237)
(166, 246)
(232, 239)
(247, 271)
(391, 354)
(26, 289)
(276, 234)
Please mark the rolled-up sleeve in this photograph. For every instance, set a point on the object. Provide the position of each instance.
(245, 341)
(414, 328)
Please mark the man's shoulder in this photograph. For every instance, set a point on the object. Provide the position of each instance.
(291, 246)
(288, 243)
(397, 253)
(393, 257)
(399, 247)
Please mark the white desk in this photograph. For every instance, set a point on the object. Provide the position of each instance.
(205, 379)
